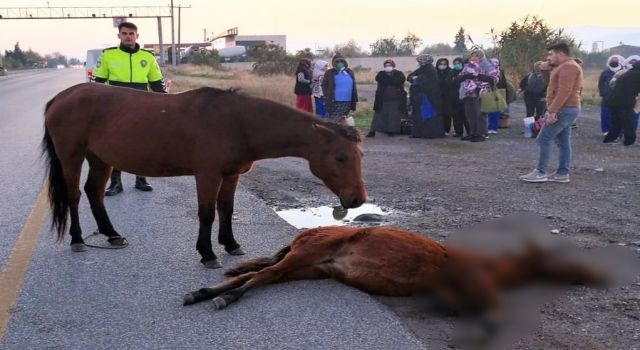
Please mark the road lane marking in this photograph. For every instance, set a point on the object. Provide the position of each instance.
(20, 258)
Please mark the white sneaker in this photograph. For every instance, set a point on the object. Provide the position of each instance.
(535, 176)
(555, 177)
(492, 132)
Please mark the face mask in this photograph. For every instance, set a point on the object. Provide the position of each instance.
(340, 65)
(442, 67)
(388, 69)
(614, 64)
(457, 66)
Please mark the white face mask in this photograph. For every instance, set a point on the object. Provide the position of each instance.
(388, 69)
(442, 67)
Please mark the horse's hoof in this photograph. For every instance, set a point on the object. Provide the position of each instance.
(118, 241)
(212, 264)
(189, 299)
(220, 303)
(237, 251)
(78, 247)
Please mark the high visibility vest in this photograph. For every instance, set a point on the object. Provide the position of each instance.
(123, 68)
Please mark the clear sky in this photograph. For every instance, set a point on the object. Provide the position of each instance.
(324, 23)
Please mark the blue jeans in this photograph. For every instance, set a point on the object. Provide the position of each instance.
(561, 131)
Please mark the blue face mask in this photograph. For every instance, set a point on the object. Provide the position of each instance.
(340, 65)
(457, 66)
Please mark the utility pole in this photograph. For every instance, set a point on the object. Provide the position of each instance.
(204, 32)
(160, 41)
(173, 42)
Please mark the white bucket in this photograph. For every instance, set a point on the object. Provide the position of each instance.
(528, 126)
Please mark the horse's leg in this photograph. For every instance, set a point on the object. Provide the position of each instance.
(209, 293)
(225, 214)
(99, 172)
(71, 170)
(292, 267)
(208, 187)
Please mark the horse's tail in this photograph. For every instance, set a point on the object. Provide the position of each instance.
(257, 264)
(58, 198)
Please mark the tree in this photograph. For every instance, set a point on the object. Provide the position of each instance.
(204, 57)
(306, 53)
(525, 42)
(409, 44)
(74, 62)
(459, 41)
(272, 59)
(438, 49)
(349, 49)
(384, 47)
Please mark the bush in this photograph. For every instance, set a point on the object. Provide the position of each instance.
(272, 59)
(205, 57)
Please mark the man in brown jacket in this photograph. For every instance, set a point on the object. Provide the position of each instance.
(563, 101)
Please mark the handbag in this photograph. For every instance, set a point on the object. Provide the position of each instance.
(493, 101)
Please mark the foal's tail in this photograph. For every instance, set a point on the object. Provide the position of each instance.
(257, 264)
(58, 199)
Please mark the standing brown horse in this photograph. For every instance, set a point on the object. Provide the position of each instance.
(212, 134)
(389, 261)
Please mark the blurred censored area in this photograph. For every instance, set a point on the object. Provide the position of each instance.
(518, 314)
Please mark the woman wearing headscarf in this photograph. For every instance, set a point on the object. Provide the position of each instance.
(390, 104)
(426, 100)
(615, 63)
(303, 86)
(319, 69)
(453, 99)
(534, 87)
(442, 71)
(477, 78)
(339, 88)
(494, 117)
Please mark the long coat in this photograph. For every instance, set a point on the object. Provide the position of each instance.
(396, 80)
(426, 84)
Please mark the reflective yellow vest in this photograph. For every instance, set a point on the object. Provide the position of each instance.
(135, 67)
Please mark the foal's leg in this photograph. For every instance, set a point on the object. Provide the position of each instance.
(293, 267)
(209, 293)
(208, 187)
(99, 172)
(225, 214)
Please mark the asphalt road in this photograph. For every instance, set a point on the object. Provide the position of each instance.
(131, 298)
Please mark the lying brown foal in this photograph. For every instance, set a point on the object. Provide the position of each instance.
(392, 262)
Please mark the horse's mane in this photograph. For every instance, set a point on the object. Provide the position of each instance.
(211, 92)
(348, 132)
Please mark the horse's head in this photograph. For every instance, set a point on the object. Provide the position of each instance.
(336, 161)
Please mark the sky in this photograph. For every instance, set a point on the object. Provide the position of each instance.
(318, 24)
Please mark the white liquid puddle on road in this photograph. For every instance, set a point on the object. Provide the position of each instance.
(326, 215)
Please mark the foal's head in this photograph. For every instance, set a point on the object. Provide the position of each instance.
(336, 161)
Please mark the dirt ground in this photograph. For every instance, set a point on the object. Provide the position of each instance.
(436, 187)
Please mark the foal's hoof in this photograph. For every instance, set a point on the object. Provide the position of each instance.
(212, 264)
(220, 303)
(237, 251)
(78, 247)
(118, 241)
(188, 299)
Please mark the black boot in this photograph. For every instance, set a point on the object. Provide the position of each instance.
(142, 184)
(116, 184)
(371, 134)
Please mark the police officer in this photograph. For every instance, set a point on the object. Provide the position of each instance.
(129, 66)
